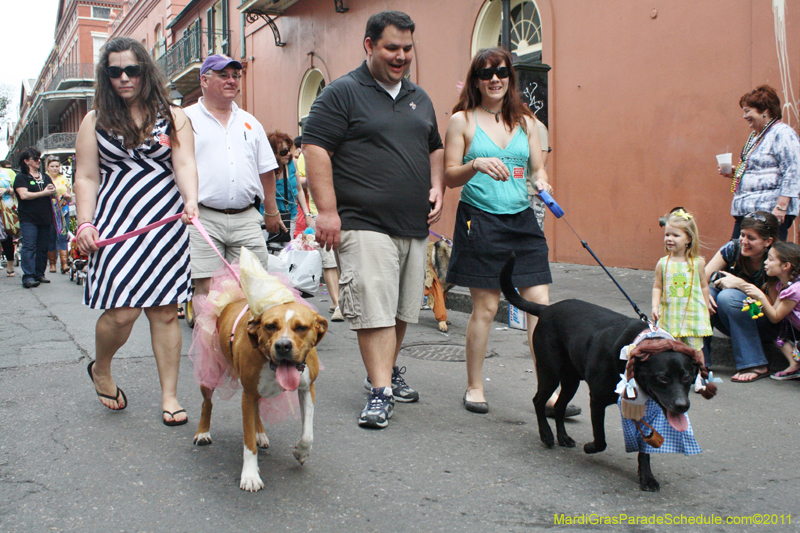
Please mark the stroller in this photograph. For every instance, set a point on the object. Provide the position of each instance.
(79, 265)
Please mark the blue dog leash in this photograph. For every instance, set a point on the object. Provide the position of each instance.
(559, 213)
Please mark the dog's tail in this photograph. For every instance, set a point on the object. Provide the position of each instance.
(511, 294)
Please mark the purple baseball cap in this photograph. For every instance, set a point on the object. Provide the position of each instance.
(218, 62)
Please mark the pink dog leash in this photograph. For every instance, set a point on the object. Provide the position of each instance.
(135, 233)
(172, 218)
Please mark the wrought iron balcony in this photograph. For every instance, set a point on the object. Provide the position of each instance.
(188, 49)
(71, 74)
(58, 141)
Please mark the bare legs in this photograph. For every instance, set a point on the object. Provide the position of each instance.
(484, 309)
(112, 331)
(165, 332)
(379, 348)
(331, 277)
(541, 295)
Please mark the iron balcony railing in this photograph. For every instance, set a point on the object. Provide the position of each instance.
(188, 49)
(57, 141)
(71, 72)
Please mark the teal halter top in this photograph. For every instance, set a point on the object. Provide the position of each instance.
(498, 197)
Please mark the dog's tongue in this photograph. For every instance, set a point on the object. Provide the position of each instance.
(679, 422)
(288, 376)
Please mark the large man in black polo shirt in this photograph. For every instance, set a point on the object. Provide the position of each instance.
(374, 162)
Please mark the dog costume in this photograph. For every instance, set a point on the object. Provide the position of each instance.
(678, 439)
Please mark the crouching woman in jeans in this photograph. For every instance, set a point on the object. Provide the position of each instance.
(739, 262)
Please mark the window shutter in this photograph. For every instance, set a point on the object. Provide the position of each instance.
(210, 28)
(225, 29)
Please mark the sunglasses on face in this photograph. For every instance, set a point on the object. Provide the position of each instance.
(132, 71)
(33, 159)
(284, 152)
(487, 74)
(760, 218)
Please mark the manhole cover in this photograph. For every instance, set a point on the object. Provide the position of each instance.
(438, 352)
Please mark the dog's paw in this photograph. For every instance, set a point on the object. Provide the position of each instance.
(443, 326)
(251, 483)
(547, 440)
(649, 484)
(593, 447)
(262, 441)
(566, 441)
(202, 439)
(301, 451)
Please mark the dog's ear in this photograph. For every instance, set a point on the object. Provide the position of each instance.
(252, 331)
(321, 327)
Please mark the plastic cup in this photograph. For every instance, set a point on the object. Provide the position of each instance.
(724, 162)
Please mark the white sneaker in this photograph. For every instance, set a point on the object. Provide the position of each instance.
(337, 315)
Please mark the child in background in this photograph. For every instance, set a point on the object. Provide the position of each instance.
(783, 262)
(680, 292)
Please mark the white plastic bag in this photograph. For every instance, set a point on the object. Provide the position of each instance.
(305, 269)
(277, 264)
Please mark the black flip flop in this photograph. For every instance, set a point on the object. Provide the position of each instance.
(106, 396)
(174, 422)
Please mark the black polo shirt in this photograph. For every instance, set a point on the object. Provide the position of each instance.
(38, 211)
(381, 152)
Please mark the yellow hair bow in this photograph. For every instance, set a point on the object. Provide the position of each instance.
(682, 214)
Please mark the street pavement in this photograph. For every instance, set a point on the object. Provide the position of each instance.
(69, 464)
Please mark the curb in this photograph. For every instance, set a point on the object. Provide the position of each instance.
(458, 299)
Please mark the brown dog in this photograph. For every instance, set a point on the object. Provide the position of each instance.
(270, 353)
(436, 271)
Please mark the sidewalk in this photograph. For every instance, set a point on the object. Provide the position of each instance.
(592, 284)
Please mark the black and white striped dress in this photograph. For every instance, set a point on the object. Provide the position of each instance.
(137, 188)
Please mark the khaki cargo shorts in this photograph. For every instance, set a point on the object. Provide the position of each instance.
(228, 233)
(382, 278)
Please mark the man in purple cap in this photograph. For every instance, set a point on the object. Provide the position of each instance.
(235, 166)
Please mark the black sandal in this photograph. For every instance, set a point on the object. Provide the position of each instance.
(174, 422)
(106, 396)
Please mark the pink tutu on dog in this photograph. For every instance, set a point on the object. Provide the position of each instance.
(211, 369)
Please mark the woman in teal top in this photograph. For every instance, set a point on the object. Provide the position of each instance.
(492, 143)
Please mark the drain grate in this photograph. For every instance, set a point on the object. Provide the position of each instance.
(438, 352)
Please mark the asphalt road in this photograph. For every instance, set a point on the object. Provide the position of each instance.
(69, 464)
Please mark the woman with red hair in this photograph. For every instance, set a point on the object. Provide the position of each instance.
(494, 217)
(767, 177)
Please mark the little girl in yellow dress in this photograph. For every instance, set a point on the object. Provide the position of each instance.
(680, 293)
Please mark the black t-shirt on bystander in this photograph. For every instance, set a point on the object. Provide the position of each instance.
(38, 211)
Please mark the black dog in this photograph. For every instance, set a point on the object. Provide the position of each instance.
(576, 340)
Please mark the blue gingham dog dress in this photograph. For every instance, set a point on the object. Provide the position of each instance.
(674, 441)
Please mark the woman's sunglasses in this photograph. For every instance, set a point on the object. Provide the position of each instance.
(486, 74)
(284, 152)
(132, 71)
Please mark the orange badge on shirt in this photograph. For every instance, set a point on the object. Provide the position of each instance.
(246, 125)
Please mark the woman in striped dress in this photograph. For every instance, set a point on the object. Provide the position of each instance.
(135, 166)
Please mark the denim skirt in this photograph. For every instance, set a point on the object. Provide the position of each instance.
(483, 242)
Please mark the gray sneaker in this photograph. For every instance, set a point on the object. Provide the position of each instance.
(379, 409)
(400, 389)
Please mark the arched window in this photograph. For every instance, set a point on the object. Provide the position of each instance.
(312, 84)
(161, 45)
(526, 29)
